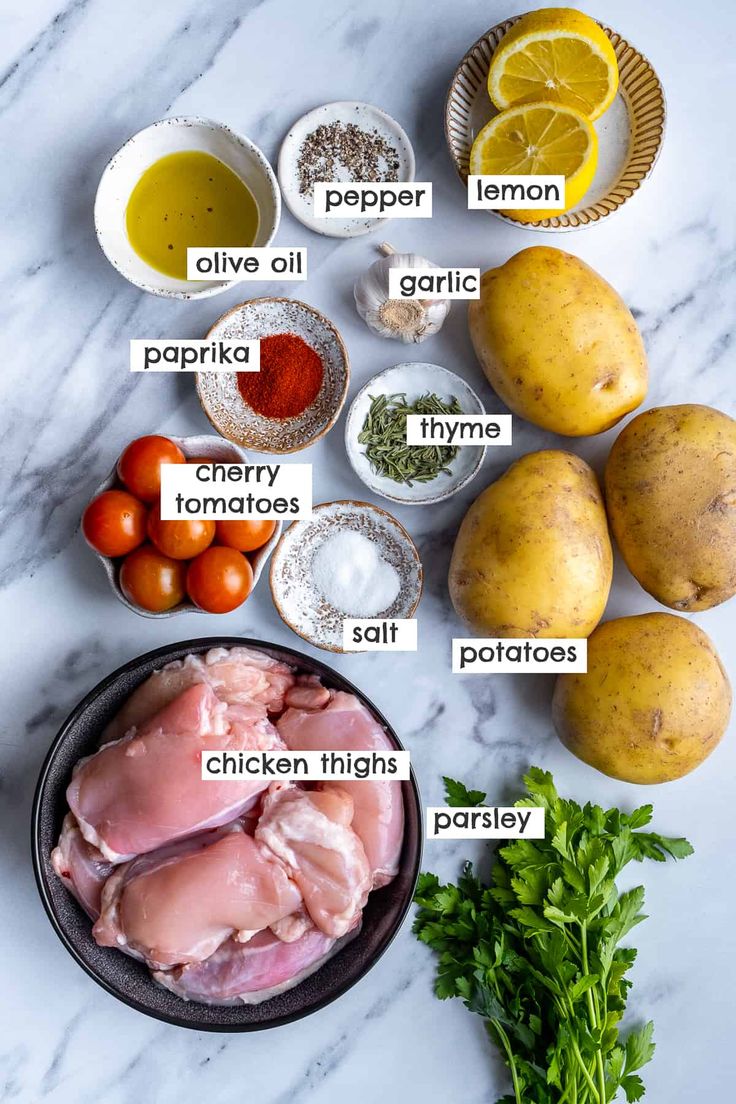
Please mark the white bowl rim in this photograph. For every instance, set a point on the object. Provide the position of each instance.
(217, 287)
(450, 491)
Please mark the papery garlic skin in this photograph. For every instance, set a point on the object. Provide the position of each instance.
(407, 320)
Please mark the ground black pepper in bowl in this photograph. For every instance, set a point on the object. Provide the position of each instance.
(340, 150)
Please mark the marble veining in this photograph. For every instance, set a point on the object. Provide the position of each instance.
(75, 81)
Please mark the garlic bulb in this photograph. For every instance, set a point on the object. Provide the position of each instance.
(403, 319)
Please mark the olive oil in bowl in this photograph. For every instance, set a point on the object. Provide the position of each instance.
(188, 199)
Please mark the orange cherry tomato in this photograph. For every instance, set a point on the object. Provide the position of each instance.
(219, 580)
(246, 536)
(114, 523)
(181, 540)
(153, 581)
(139, 467)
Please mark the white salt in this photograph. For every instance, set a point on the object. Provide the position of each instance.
(349, 571)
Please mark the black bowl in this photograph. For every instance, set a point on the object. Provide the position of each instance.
(129, 980)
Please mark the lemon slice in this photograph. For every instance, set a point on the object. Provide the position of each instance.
(539, 139)
(557, 55)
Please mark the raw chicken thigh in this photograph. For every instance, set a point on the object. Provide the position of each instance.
(81, 867)
(310, 832)
(346, 725)
(145, 790)
(179, 905)
(251, 972)
(238, 676)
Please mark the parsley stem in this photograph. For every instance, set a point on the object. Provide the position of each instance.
(511, 1063)
(593, 1011)
(586, 1072)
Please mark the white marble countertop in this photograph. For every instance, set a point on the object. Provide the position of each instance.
(80, 78)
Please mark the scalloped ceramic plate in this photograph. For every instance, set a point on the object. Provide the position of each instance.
(298, 601)
(209, 448)
(630, 133)
(234, 419)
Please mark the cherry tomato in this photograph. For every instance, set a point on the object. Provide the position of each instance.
(153, 581)
(139, 467)
(219, 580)
(114, 523)
(183, 539)
(245, 535)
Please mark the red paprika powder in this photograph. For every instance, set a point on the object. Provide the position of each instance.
(289, 380)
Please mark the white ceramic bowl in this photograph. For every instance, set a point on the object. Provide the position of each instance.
(367, 117)
(125, 168)
(414, 379)
(209, 448)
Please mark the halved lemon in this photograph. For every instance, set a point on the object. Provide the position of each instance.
(558, 55)
(539, 139)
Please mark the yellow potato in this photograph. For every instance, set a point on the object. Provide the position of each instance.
(654, 703)
(533, 557)
(557, 343)
(671, 499)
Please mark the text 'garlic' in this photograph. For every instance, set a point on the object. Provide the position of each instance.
(407, 320)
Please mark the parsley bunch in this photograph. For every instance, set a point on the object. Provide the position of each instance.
(536, 953)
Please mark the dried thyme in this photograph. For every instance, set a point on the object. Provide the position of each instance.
(384, 435)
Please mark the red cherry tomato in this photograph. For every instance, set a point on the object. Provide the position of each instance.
(153, 581)
(181, 540)
(114, 523)
(139, 467)
(219, 580)
(246, 536)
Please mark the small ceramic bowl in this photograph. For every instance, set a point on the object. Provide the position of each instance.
(299, 602)
(234, 419)
(414, 379)
(369, 118)
(209, 448)
(127, 979)
(630, 133)
(126, 167)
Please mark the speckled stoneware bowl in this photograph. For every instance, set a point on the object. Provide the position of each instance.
(233, 418)
(125, 168)
(302, 606)
(209, 448)
(414, 379)
(129, 980)
(630, 133)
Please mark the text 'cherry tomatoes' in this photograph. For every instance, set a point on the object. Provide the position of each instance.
(183, 539)
(139, 467)
(246, 536)
(219, 580)
(114, 523)
(153, 581)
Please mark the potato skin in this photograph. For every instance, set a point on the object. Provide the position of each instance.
(533, 557)
(654, 703)
(671, 499)
(557, 343)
